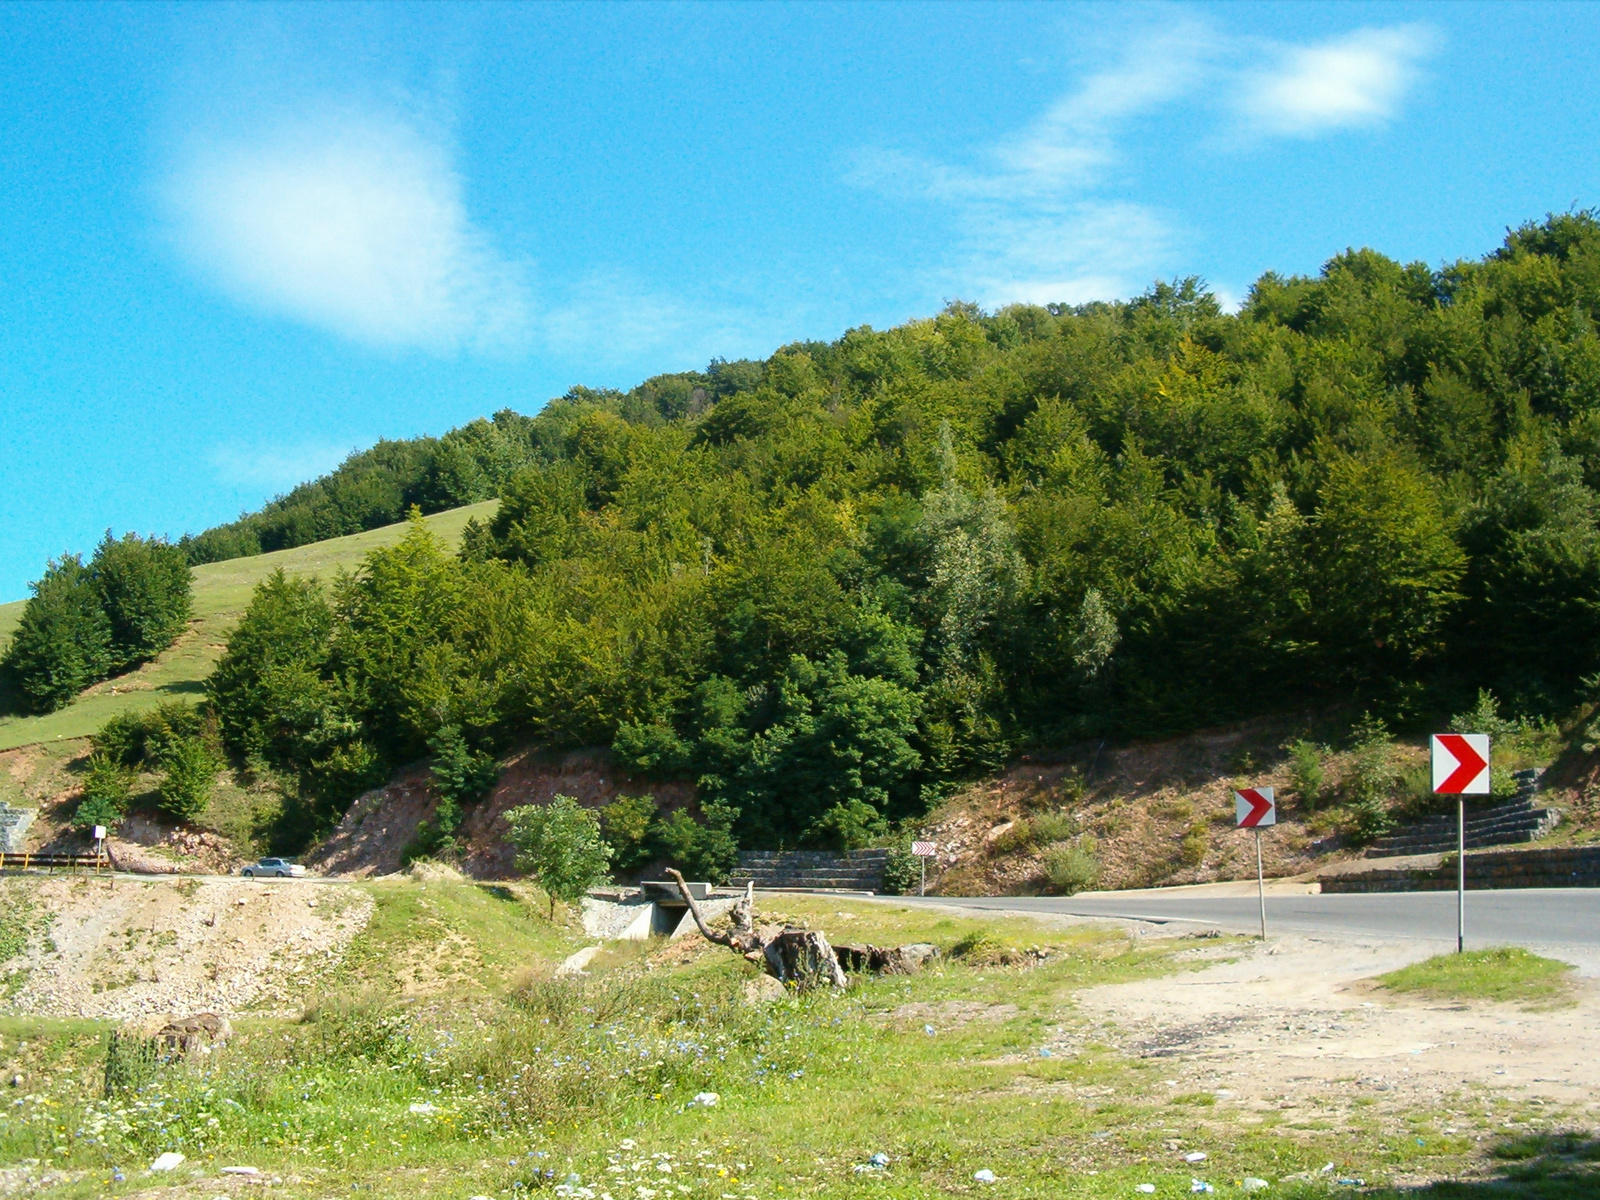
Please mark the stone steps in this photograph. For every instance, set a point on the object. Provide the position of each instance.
(858, 871)
(1565, 866)
(1505, 824)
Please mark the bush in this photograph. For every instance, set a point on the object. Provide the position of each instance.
(702, 852)
(1196, 841)
(63, 642)
(902, 871)
(559, 844)
(461, 774)
(1071, 868)
(629, 825)
(847, 826)
(1053, 827)
(1369, 783)
(191, 769)
(105, 794)
(142, 739)
(1308, 777)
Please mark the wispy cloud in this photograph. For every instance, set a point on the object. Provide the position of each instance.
(353, 222)
(1351, 81)
(1042, 213)
(273, 467)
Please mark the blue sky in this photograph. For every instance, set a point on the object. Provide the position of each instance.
(238, 242)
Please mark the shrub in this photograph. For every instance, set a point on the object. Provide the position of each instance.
(629, 825)
(902, 871)
(1071, 868)
(142, 739)
(1369, 783)
(461, 774)
(191, 775)
(559, 844)
(1196, 841)
(847, 826)
(1054, 827)
(707, 851)
(105, 794)
(1308, 777)
(1017, 836)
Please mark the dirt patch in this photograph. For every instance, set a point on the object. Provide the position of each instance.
(1298, 1022)
(1157, 813)
(373, 836)
(120, 948)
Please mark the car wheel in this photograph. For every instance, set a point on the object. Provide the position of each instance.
(248, 873)
(283, 874)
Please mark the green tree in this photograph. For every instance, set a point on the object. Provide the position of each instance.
(106, 785)
(629, 825)
(191, 776)
(63, 642)
(701, 850)
(560, 845)
(144, 588)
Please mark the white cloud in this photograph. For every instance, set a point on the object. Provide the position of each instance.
(278, 468)
(355, 224)
(1355, 80)
(1043, 214)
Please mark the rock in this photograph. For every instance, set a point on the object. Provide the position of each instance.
(251, 1171)
(202, 1032)
(984, 1176)
(886, 960)
(705, 1100)
(763, 990)
(170, 1161)
(574, 964)
(1252, 1184)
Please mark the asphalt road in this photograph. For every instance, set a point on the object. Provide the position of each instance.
(1528, 916)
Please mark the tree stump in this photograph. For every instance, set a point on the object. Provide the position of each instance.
(801, 957)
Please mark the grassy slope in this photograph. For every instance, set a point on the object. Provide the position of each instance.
(221, 593)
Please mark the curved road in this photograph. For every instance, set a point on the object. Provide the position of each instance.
(1527, 916)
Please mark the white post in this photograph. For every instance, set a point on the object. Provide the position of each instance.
(922, 861)
(1261, 887)
(1461, 876)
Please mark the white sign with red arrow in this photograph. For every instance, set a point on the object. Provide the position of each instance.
(1254, 808)
(1461, 764)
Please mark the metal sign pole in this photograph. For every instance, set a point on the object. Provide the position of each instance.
(1461, 876)
(922, 861)
(1261, 887)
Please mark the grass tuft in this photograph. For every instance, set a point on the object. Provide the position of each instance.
(1506, 975)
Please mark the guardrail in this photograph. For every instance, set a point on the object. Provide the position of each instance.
(26, 861)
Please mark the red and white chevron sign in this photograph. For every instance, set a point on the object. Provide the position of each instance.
(1461, 764)
(1254, 808)
(924, 849)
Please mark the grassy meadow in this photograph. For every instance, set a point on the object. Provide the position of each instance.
(442, 1056)
(221, 594)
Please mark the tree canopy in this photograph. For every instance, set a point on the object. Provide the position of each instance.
(826, 586)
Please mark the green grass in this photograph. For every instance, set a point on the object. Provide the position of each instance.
(221, 594)
(1507, 975)
(525, 1080)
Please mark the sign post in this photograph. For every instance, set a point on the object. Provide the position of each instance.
(1460, 768)
(1254, 809)
(99, 845)
(924, 851)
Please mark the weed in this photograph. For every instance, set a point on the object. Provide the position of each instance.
(1070, 869)
(1308, 777)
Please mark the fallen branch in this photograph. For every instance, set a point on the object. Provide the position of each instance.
(802, 957)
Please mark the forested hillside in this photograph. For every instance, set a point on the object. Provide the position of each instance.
(827, 585)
